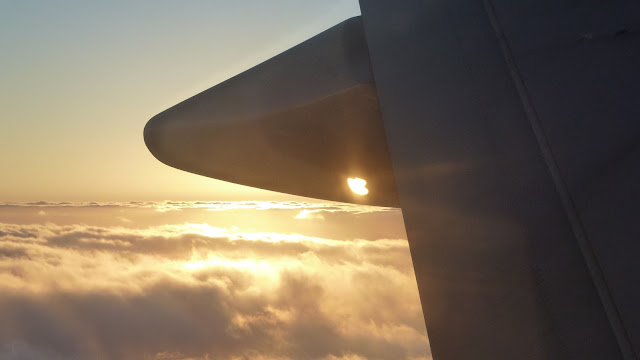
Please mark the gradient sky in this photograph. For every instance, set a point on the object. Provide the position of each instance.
(79, 80)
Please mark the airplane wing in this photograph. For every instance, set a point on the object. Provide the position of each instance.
(302, 123)
(506, 131)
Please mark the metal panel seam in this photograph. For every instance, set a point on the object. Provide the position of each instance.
(588, 253)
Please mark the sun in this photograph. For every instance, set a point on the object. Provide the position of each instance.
(358, 186)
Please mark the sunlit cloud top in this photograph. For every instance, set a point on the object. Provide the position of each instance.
(213, 205)
(76, 287)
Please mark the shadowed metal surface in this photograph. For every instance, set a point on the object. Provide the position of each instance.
(502, 229)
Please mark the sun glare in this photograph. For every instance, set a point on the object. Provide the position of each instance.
(358, 186)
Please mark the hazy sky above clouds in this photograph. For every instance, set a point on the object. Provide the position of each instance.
(79, 80)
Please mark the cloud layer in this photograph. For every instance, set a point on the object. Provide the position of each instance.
(197, 291)
(212, 205)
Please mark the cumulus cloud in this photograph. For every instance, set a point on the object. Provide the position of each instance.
(309, 214)
(196, 291)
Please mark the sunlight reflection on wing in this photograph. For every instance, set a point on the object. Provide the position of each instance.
(358, 186)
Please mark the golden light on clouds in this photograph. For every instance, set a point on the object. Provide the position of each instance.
(160, 287)
(358, 186)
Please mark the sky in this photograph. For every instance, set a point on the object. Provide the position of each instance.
(106, 253)
(79, 80)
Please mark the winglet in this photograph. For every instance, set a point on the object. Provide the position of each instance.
(303, 123)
